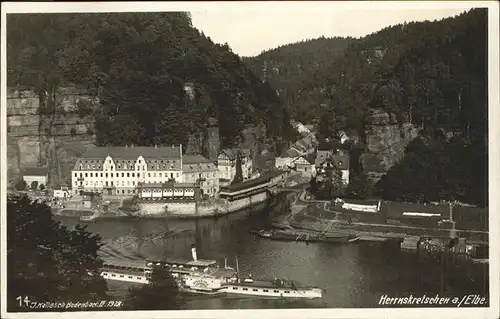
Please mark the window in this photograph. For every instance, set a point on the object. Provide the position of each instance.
(91, 175)
(86, 175)
(111, 167)
(276, 291)
(255, 289)
(149, 174)
(123, 174)
(154, 174)
(101, 174)
(245, 289)
(123, 191)
(81, 175)
(111, 175)
(111, 183)
(265, 290)
(234, 288)
(106, 175)
(133, 174)
(171, 175)
(287, 292)
(177, 174)
(76, 174)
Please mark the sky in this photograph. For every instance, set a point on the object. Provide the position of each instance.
(249, 32)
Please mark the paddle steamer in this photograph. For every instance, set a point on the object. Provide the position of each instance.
(205, 277)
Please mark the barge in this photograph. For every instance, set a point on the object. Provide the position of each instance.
(307, 236)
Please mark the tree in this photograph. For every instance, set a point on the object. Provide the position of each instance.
(41, 187)
(47, 261)
(21, 185)
(161, 293)
(34, 185)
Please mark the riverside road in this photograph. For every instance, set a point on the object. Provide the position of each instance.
(353, 275)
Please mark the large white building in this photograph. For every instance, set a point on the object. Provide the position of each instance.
(118, 170)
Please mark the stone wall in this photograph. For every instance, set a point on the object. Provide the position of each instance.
(53, 141)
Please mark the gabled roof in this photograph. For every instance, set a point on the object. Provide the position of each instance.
(122, 152)
(340, 160)
(290, 153)
(309, 158)
(195, 159)
(35, 171)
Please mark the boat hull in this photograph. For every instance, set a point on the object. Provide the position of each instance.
(308, 293)
(285, 235)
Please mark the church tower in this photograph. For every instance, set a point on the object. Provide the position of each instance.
(212, 140)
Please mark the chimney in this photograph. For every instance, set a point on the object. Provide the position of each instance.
(193, 252)
(156, 146)
(126, 146)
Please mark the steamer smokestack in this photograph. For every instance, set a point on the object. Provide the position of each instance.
(193, 252)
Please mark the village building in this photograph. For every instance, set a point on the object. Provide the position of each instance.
(198, 169)
(226, 164)
(35, 174)
(305, 165)
(339, 159)
(118, 170)
(285, 160)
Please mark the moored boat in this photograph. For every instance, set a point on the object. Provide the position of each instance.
(281, 288)
(205, 277)
(307, 236)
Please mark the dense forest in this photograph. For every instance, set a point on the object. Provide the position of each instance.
(153, 74)
(296, 68)
(430, 74)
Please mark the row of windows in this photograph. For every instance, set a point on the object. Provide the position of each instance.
(101, 183)
(126, 174)
(264, 290)
(121, 276)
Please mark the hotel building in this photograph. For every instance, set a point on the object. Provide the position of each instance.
(118, 170)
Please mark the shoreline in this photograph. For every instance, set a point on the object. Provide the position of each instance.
(78, 212)
(299, 218)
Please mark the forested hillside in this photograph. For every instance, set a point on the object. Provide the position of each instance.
(296, 68)
(156, 77)
(429, 75)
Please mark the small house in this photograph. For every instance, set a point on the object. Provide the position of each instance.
(36, 174)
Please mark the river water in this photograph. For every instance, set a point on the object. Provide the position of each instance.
(354, 276)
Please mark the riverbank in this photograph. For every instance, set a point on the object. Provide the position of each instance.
(203, 211)
(311, 215)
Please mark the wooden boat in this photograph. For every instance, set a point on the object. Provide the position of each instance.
(307, 236)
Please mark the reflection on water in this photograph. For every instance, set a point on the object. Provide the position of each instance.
(353, 275)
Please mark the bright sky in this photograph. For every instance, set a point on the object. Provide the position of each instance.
(249, 32)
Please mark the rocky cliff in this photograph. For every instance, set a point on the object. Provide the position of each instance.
(52, 140)
(386, 142)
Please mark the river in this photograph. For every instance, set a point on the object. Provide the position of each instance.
(354, 276)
